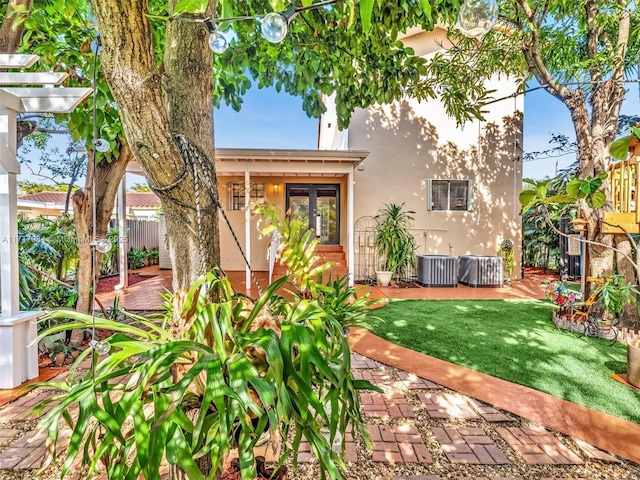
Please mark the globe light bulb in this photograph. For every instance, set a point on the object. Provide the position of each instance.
(101, 145)
(103, 245)
(477, 17)
(217, 42)
(274, 27)
(100, 346)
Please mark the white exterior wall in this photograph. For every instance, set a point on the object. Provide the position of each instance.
(410, 142)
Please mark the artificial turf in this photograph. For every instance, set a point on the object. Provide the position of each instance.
(514, 340)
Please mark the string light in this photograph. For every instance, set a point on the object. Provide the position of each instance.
(477, 17)
(274, 25)
(100, 145)
(101, 347)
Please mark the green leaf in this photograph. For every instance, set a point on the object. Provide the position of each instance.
(620, 148)
(596, 200)
(190, 6)
(527, 197)
(426, 7)
(366, 9)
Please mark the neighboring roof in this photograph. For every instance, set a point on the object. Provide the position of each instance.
(134, 199)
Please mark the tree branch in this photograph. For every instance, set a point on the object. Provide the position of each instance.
(532, 56)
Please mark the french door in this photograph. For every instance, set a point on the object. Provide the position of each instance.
(319, 206)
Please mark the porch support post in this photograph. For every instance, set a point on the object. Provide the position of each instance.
(350, 230)
(123, 237)
(247, 228)
(9, 169)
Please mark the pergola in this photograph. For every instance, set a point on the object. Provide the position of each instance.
(21, 92)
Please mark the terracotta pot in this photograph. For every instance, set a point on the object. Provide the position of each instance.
(633, 362)
(58, 360)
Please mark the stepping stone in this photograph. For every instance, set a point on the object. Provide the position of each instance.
(398, 444)
(361, 362)
(8, 434)
(411, 477)
(538, 447)
(414, 382)
(447, 406)
(379, 377)
(305, 455)
(595, 453)
(487, 478)
(489, 413)
(30, 451)
(469, 445)
(393, 405)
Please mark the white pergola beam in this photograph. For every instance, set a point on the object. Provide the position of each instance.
(17, 60)
(45, 100)
(32, 78)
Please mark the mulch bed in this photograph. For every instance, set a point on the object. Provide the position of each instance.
(107, 284)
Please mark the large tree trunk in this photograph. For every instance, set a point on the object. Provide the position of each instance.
(168, 120)
(106, 177)
(626, 267)
(12, 26)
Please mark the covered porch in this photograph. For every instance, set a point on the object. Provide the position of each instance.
(317, 184)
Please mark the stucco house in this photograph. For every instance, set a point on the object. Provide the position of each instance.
(462, 182)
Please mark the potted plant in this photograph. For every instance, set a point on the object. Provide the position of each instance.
(614, 292)
(394, 242)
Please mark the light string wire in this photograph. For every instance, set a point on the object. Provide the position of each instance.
(94, 223)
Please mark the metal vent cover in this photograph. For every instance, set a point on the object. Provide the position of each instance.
(480, 271)
(437, 271)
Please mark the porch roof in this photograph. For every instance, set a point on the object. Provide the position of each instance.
(234, 161)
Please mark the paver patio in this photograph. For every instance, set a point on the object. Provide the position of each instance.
(419, 423)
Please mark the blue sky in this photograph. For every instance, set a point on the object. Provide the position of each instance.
(272, 120)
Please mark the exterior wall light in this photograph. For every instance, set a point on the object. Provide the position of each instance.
(477, 17)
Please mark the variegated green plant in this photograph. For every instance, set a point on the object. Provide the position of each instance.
(297, 249)
(239, 371)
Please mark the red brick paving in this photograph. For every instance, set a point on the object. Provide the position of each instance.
(537, 446)
(592, 452)
(305, 455)
(469, 445)
(379, 377)
(489, 413)
(447, 406)
(391, 405)
(411, 477)
(360, 362)
(398, 444)
(413, 382)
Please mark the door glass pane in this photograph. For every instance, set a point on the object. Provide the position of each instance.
(327, 213)
(299, 202)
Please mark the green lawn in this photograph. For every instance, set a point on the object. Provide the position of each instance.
(514, 340)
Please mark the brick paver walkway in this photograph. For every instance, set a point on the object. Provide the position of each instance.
(447, 405)
(469, 445)
(414, 424)
(398, 444)
(537, 446)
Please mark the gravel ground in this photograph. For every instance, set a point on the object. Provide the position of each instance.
(365, 469)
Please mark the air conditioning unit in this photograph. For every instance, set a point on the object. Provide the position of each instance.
(480, 271)
(437, 271)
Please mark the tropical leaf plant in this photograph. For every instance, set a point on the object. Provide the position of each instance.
(393, 239)
(297, 249)
(237, 371)
(342, 302)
